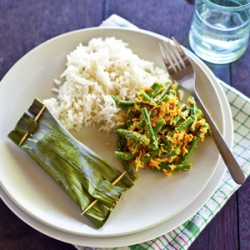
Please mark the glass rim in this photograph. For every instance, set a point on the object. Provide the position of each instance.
(228, 8)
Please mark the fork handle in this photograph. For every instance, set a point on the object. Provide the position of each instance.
(226, 154)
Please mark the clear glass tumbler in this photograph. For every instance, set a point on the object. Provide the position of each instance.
(220, 29)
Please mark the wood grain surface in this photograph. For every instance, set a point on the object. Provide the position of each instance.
(24, 24)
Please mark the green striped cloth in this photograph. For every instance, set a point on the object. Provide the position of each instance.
(183, 236)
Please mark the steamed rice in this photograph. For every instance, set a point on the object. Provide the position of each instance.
(94, 73)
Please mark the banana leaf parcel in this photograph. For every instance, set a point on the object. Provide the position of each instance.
(83, 175)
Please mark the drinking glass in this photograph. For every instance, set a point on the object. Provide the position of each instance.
(220, 29)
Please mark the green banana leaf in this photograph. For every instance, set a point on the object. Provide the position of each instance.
(77, 169)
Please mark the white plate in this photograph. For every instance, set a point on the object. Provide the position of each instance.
(142, 207)
(151, 233)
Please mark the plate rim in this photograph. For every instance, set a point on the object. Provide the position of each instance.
(80, 30)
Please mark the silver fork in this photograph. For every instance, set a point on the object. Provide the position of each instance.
(181, 69)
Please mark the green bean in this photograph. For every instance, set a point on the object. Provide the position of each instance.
(184, 107)
(193, 125)
(123, 104)
(179, 129)
(165, 98)
(193, 144)
(152, 154)
(159, 126)
(191, 149)
(135, 136)
(184, 124)
(142, 122)
(120, 143)
(145, 96)
(124, 156)
(130, 170)
(193, 106)
(199, 114)
(150, 129)
(165, 129)
(178, 167)
(128, 123)
(155, 89)
(136, 144)
(193, 110)
(167, 143)
(178, 118)
(164, 92)
(131, 114)
(173, 90)
(172, 153)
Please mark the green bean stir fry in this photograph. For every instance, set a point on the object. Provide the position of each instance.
(160, 133)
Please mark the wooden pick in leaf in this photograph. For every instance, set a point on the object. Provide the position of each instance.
(27, 132)
(94, 202)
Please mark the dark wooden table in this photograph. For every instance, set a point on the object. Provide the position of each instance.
(25, 24)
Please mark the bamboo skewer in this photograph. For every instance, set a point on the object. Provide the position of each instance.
(40, 112)
(27, 132)
(94, 202)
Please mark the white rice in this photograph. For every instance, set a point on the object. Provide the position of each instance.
(94, 73)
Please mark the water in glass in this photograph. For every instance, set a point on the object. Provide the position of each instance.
(220, 30)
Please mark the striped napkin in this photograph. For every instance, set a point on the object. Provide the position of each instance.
(183, 236)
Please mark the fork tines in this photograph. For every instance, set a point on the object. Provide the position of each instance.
(174, 57)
